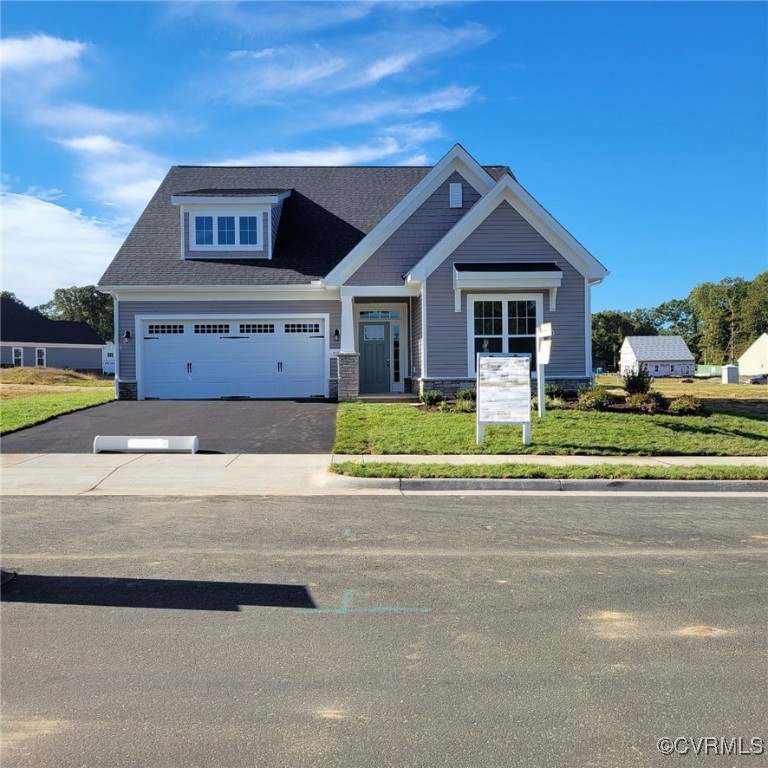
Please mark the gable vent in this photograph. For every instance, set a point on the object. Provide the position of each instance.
(454, 195)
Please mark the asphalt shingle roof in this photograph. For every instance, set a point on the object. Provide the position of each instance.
(660, 348)
(329, 211)
(21, 324)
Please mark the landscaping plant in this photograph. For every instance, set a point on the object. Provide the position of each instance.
(637, 382)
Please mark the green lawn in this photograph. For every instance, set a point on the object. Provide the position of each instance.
(577, 472)
(367, 428)
(19, 412)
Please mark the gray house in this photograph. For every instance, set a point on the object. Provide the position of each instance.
(28, 338)
(331, 282)
(660, 355)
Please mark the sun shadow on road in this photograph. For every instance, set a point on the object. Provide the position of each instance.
(153, 593)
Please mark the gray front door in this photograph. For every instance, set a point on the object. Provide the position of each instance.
(374, 357)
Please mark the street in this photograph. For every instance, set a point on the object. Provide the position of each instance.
(418, 631)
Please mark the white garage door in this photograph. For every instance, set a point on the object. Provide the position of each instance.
(220, 357)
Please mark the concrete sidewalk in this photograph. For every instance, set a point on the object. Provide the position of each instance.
(64, 474)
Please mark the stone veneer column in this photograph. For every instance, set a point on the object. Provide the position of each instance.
(349, 376)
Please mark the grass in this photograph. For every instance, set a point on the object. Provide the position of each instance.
(20, 412)
(524, 471)
(368, 428)
(52, 377)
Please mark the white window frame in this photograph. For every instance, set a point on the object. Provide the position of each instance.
(38, 350)
(236, 212)
(404, 322)
(20, 350)
(503, 298)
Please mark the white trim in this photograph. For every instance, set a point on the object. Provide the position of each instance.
(424, 330)
(521, 281)
(457, 159)
(508, 190)
(226, 293)
(14, 350)
(38, 350)
(116, 332)
(226, 200)
(381, 291)
(49, 345)
(215, 214)
(587, 329)
(503, 298)
(139, 320)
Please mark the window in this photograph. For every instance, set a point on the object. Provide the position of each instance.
(212, 328)
(379, 314)
(225, 232)
(156, 329)
(503, 324)
(302, 328)
(17, 357)
(204, 230)
(257, 327)
(40, 358)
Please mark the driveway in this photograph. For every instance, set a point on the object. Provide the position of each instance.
(251, 426)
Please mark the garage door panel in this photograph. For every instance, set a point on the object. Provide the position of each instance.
(213, 357)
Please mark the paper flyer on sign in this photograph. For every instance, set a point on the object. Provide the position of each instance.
(503, 389)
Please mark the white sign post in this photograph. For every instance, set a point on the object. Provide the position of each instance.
(544, 335)
(503, 392)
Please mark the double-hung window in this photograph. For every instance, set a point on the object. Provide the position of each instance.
(225, 232)
(503, 323)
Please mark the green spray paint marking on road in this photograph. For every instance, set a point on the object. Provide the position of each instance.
(347, 532)
(344, 609)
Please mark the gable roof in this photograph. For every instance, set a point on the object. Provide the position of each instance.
(329, 211)
(23, 325)
(507, 189)
(661, 348)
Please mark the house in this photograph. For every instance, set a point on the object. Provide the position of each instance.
(335, 281)
(28, 338)
(660, 355)
(755, 359)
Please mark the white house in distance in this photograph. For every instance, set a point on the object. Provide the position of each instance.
(661, 356)
(108, 358)
(755, 359)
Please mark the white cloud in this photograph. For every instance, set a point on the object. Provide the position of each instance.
(46, 246)
(119, 174)
(83, 117)
(379, 149)
(25, 53)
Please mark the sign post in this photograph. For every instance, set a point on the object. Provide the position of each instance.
(503, 392)
(544, 335)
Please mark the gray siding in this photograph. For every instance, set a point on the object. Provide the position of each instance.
(129, 309)
(83, 359)
(275, 223)
(238, 254)
(416, 336)
(425, 227)
(504, 236)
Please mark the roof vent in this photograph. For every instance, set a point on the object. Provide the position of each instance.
(454, 195)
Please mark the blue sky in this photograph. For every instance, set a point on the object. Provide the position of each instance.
(642, 127)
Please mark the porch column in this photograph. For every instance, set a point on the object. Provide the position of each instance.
(347, 322)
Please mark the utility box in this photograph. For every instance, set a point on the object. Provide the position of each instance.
(730, 374)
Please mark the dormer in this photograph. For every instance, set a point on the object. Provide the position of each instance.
(229, 223)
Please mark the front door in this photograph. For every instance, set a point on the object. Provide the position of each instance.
(374, 357)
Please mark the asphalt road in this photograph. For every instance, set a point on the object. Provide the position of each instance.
(378, 631)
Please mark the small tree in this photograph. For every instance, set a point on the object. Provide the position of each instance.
(639, 382)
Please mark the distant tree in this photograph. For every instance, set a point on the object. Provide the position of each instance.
(754, 311)
(718, 308)
(677, 317)
(86, 304)
(10, 296)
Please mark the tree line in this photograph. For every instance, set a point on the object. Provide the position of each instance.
(718, 321)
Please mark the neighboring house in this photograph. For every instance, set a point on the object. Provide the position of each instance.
(108, 358)
(755, 359)
(661, 356)
(335, 281)
(28, 338)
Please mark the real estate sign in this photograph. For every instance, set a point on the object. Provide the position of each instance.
(503, 392)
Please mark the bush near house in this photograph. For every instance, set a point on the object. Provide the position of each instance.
(637, 382)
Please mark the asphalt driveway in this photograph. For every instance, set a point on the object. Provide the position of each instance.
(249, 426)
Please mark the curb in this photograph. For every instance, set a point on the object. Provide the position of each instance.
(489, 484)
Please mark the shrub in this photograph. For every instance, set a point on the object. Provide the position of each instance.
(555, 403)
(637, 383)
(443, 407)
(582, 388)
(431, 397)
(595, 399)
(469, 394)
(464, 406)
(553, 390)
(687, 405)
(647, 402)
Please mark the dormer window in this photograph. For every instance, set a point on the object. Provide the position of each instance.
(227, 223)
